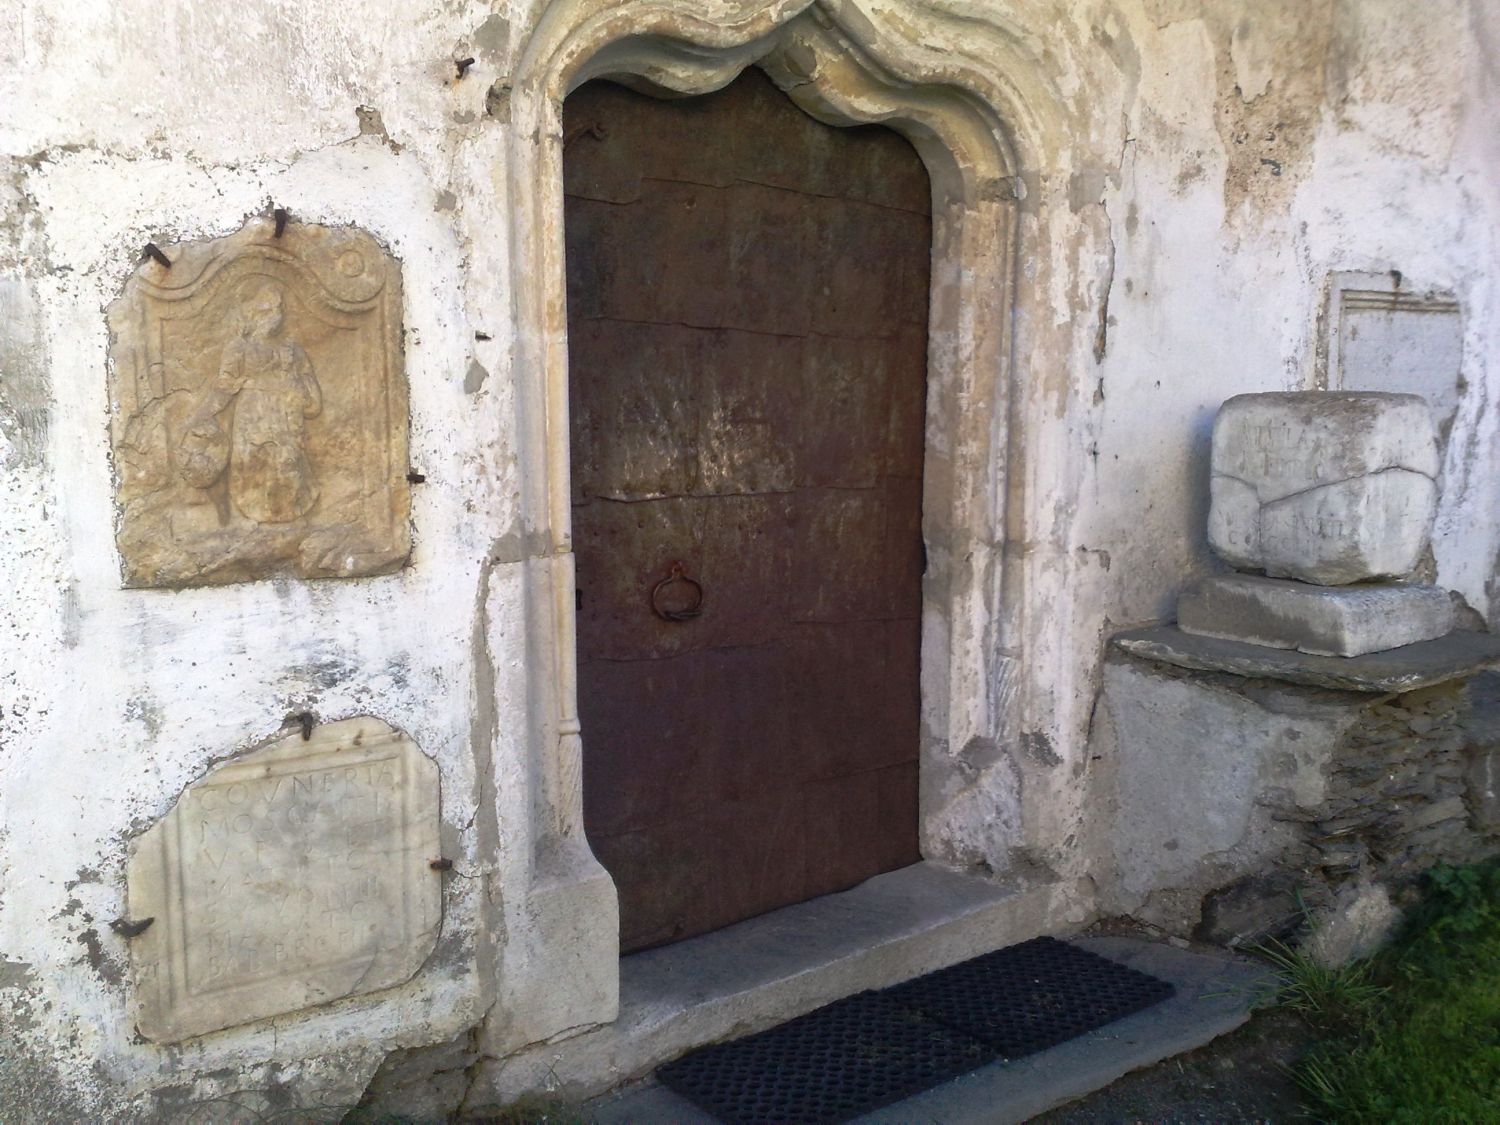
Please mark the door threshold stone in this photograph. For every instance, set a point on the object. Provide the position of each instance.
(766, 970)
(1215, 993)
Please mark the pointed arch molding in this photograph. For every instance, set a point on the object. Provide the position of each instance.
(844, 63)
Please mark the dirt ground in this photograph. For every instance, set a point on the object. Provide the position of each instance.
(1239, 1079)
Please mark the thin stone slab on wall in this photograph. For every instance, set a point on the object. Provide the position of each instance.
(1384, 334)
(260, 409)
(297, 874)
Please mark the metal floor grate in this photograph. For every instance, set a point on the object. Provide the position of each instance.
(865, 1052)
(830, 1065)
(1031, 996)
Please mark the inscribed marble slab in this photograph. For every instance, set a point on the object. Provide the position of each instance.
(292, 876)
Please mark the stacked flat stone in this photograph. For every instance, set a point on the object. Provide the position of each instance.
(1331, 496)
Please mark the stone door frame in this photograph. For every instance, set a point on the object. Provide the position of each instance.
(844, 67)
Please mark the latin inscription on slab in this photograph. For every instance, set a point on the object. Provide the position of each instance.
(260, 409)
(1383, 337)
(292, 876)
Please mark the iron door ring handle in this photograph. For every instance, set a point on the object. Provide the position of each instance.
(678, 573)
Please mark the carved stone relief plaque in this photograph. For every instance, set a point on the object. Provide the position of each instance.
(260, 409)
(292, 876)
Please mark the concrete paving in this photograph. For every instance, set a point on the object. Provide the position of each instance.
(1215, 992)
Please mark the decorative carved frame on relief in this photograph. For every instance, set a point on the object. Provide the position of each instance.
(844, 63)
(169, 333)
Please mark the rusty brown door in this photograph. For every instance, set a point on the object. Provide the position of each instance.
(747, 320)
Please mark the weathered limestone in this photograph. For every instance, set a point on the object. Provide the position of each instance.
(294, 875)
(1323, 487)
(1197, 775)
(1322, 620)
(1328, 489)
(260, 409)
(1360, 920)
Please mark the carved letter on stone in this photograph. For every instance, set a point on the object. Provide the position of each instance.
(260, 415)
(292, 876)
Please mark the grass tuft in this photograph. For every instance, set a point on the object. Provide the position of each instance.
(1330, 999)
(1413, 1036)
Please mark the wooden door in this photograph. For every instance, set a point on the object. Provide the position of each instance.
(747, 312)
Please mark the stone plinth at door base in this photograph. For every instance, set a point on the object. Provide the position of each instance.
(761, 972)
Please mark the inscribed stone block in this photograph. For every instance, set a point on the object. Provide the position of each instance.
(1325, 487)
(259, 409)
(291, 876)
(1322, 620)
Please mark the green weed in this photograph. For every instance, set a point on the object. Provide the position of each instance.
(1425, 1046)
(1331, 999)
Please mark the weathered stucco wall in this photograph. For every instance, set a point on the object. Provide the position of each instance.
(1192, 172)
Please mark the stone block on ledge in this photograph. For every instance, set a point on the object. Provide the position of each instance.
(1323, 486)
(1321, 620)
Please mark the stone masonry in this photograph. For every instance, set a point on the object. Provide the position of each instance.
(1346, 798)
(1395, 803)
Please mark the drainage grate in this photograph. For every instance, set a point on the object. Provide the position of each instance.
(878, 1047)
(1031, 996)
(830, 1065)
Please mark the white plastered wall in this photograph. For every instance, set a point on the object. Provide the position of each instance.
(1192, 171)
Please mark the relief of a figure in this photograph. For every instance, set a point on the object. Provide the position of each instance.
(252, 419)
(260, 409)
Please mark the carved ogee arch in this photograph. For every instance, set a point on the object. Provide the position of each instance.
(844, 64)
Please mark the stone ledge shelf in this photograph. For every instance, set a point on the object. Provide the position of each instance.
(1403, 669)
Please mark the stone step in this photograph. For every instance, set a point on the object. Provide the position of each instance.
(1215, 992)
(764, 971)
